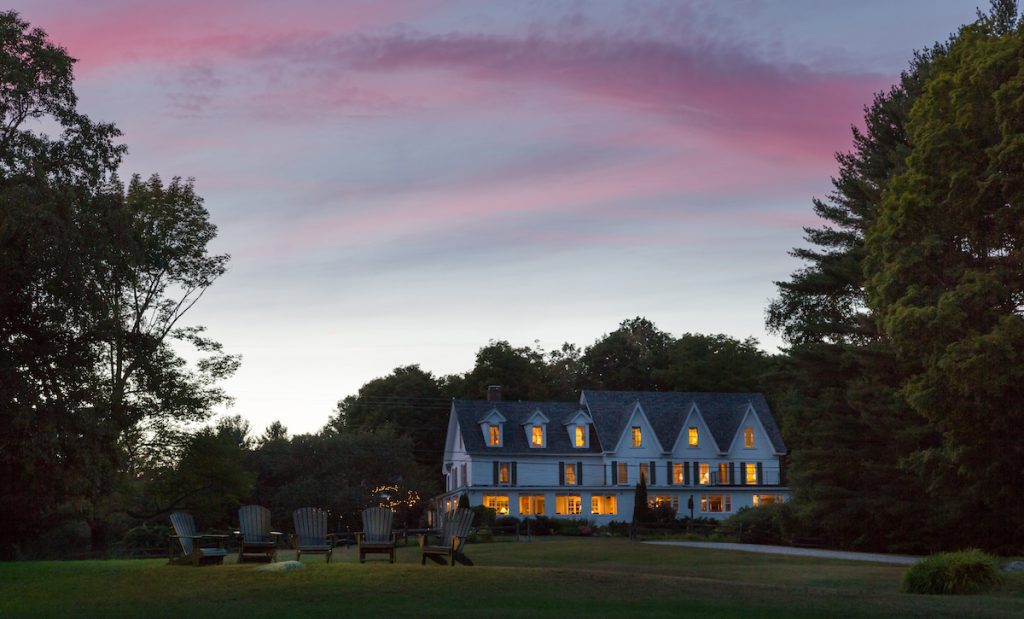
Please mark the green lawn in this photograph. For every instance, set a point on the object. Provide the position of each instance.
(546, 578)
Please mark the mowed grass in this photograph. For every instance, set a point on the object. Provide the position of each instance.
(545, 578)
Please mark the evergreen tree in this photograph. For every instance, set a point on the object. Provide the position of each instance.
(641, 511)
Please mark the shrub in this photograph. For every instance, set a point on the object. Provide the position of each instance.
(542, 525)
(146, 538)
(484, 517)
(966, 571)
(506, 521)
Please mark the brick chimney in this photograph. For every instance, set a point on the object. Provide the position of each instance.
(494, 393)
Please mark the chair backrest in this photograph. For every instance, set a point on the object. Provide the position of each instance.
(457, 523)
(185, 527)
(254, 523)
(377, 524)
(310, 526)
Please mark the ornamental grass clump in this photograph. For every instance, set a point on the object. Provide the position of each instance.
(963, 572)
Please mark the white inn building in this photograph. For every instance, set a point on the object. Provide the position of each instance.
(583, 460)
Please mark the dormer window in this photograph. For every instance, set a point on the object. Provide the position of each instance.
(748, 437)
(693, 437)
(581, 436)
(493, 428)
(494, 435)
(537, 436)
(637, 436)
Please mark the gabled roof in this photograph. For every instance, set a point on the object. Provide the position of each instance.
(667, 411)
(471, 412)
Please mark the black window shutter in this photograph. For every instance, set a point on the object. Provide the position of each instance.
(513, 473)
(561, 473)
(743, 473)
(496, 472)
(615, 472)
(696, 473)
(654, 473)
(668, 474)
(759, 471)
(686, 473)
(732, 472)
(579, 473)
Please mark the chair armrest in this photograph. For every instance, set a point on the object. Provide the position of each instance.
(215, 535)
(456, 542)
(424, 538)
(276, 533)
(359, 537)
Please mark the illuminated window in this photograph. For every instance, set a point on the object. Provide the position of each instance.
(723, 473)
(766, 499)
(504, 473)
(693, 437)
(537, 437)
(531, 504)
(499, 503)
(664, 500)
(570, 474)
(581, 436)
(716, 503)
(568, 505)
(603, 505)
(705, 474)
(638, 438)
(494, 435)
(677, 474)
(750, 473)
(748, 437)
(645, 473)
(623, 473)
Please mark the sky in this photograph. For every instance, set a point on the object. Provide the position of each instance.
(402, 181)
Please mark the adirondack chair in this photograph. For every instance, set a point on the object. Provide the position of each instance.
(453, 533)
(196, 549)
(377, 535)
(311, 534)
(256, 542)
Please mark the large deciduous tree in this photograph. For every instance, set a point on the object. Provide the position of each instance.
(946, 277)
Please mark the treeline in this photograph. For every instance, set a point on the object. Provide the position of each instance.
(905, 412)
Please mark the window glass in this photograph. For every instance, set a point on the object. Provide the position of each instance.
(499, 503)
(537, 436)
(568, 505)
(664, 500)
(570, 474)
(638, 438)
(748, 437)
(705, 474)
(504, 473)
(581, 436)
(623, 473)
(693, 437)
(715, 503)
(603, 505)
(750, 473)
(494, 435)
(677, 474)
(723, 473)
(531, 504)
(645, 473)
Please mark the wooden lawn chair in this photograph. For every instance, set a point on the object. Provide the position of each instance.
(311, 534)
(196, 549)
(256, 542)
(454, 531)
(377, 535)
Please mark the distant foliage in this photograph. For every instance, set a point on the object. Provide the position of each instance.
(963, 572)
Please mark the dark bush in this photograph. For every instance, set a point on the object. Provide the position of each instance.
(542, 525)
(144, 539)
(769, 524)
(506, 521)
(485, 516)
(966, 571)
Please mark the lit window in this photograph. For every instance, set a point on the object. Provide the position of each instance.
(748, 437)
(570, 474)
(638, 438)
(693, 437)
(537, 437)
(531, 504)
(705, 474)
(677, 474)
(664, 500)
(504, 473)
(716, 503)
(750, 473)
(645, 473)
(603, 505)
(499, 503)
(568, 505)
(494, 434)
(581, 436)
(723, 473)
(623, 473)
(766, 499)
